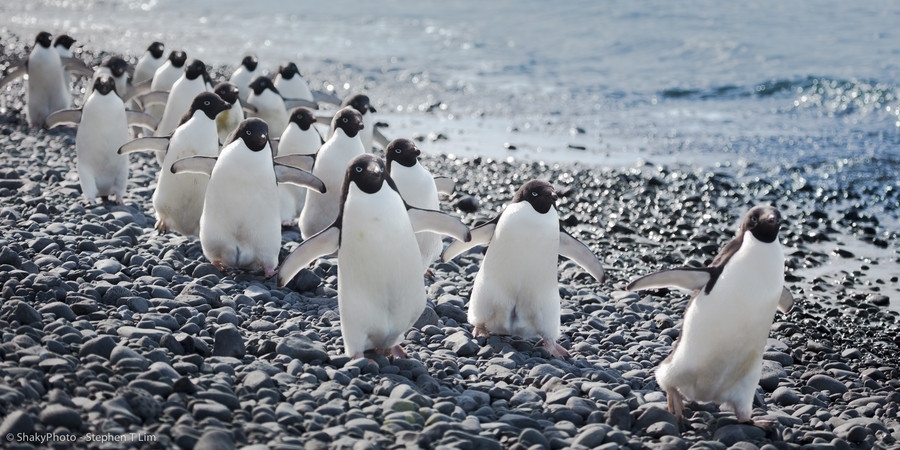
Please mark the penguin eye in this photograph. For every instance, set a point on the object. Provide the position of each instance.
(248, 133)
(206, 103)
(359, 169)
(345, 120)
(397, 151)
(534, 194)
(754, 220)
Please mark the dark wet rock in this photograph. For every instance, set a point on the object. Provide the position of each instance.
(229, 342)
(215, 439)
(100, 345)
(731, 434)
(823, 382)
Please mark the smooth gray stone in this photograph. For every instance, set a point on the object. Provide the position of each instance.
(56, 415)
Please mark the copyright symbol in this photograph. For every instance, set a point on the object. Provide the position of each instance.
(10, 437)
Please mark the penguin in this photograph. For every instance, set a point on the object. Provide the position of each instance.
(299, 138)
(228, 120)
(47, 90)
(267, 104)
(154, 101)
(148, 63)
(718, 354)
(114, 67)
(292, 86)
(192, 82)
(331, 161)
(380, 289)
(516, 291)
(239, 225)
(418, 188)
(63, 45)
(102, 128)
(178, 199)
(244, 75)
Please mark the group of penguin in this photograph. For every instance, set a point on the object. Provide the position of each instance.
(380, 216)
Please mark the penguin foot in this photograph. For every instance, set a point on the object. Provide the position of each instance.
(480, 331)
(269, 272)
(676, 405)
(554, 349)
(429, 274)
(161, 227)
(396, 352)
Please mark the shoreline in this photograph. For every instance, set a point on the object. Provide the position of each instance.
(111, 329)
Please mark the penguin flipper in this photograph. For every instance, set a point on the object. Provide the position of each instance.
(149, 144)
(153, 98)
(324, 119)
(291, 103)
(248, 108)
(141, 119)
(18, 71)
(379, 138)
(686, 278)
(326, 97)
(438, 222)
(322, 243)
(64, 117)
(444, 185)
(481, 235)
(76, 66)
(293, 175)
(786, 301)
(302, 162)
(195, 164)
(138, 89)
(582, 255)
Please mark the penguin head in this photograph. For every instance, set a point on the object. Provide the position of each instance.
(538, 193)
(104, 85)
(227, 92)
(64, 40)
(250, 62)
(303, 117)
(177, 58)
(208, 102)
(359, 102)
(254, 132)
(403, 151)
(156, 49)
(763, 222)
(349, 120)
(288, 71)
(195, 69)
(260, 84)
(116, 65)
(367, 171)
(44, 39)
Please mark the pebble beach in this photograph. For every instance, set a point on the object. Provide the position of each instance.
(114, 336)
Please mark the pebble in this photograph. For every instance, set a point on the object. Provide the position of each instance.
(301, 348)
(229, 342)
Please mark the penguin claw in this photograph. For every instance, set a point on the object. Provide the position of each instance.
(429, 274)
(480, 331)
(555, 349)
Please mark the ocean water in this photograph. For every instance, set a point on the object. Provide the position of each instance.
(804, 90)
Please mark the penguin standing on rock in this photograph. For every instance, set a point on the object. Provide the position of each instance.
(377, 301)
(418, 188)
(178, 198)
(102, 128)
(718, 355)
(516, 291)
(331, 163)
(240, 225)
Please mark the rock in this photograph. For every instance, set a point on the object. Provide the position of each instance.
(100, 345)
(731, 434)
(26, 315)
(822, 382)
(56, 415)
(772, 373)
(229, 342)
(591, 435)
(204, 409)
(303, 348)
(215, 439)
(59, 309)
(785, 396)
(654, 414)
(460, 343)
(16, 422)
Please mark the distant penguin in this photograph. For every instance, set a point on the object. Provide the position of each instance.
(114, 67)
(244, 74)
(291, 85)
(102, 128)
(381, 292)
(268, 104)
(148, 63)
(361, 103)
(331, 162)
(161, 83)
(192, 82)
(63, 45)
(178, 198)
(418, 188)
(228, 120)
(718, 354)
(516, 291)
(299, 138)
(47, 90)
(240, 225)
